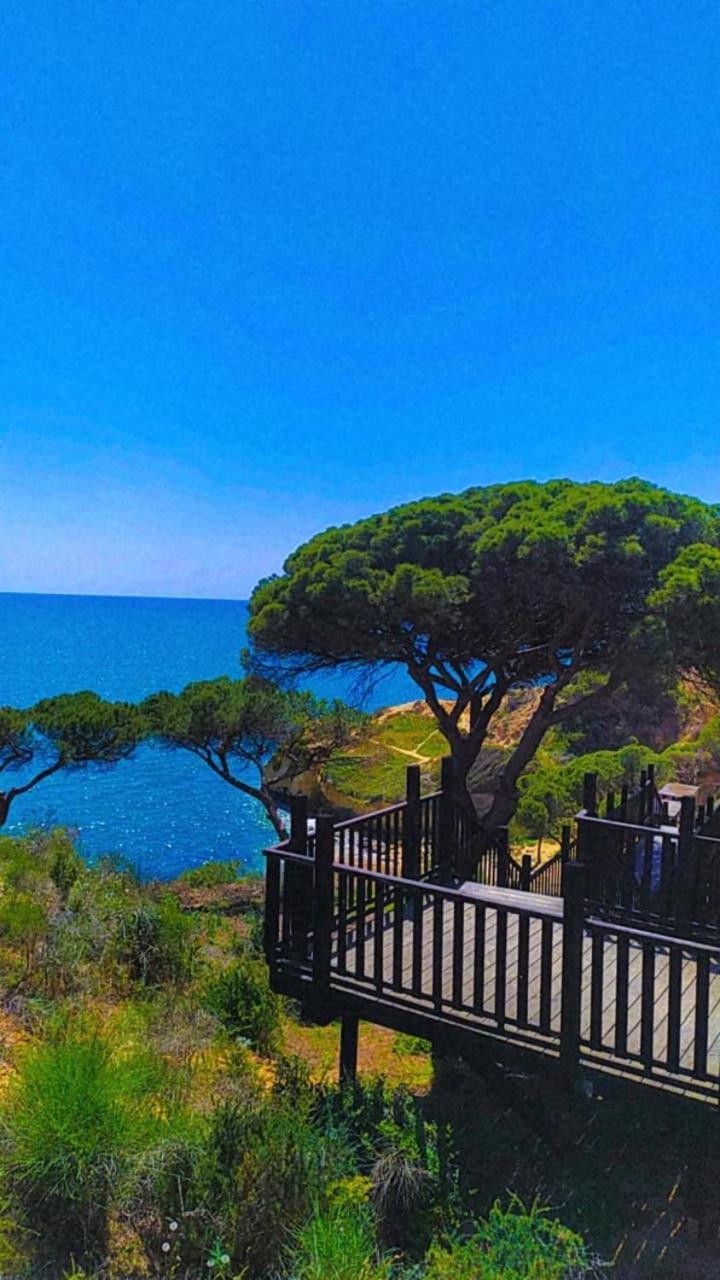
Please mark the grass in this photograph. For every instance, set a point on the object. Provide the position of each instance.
(80, 1110)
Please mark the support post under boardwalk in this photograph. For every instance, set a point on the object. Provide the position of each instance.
(573, 927)
(348, 1047)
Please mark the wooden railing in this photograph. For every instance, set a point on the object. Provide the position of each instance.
(547, 974)
(654, 1014)
(666, 877)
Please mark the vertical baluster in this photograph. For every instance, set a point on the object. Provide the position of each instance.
(596, 988)
(458, 953)
(674, 1007)
(546, 974)
(666, 876)
(417, 940)
(342, 921)
(479, 958)
(379, 936)
(647, 1005)
(621, 994)
(437, 955)
(648, 856)
(398, 935)
(360, 917)
(523, 982)
(412, 824)
(702, 993)
(500, 964)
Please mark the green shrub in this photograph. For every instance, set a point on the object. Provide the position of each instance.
(249, 1181)
(338, 1243)
(241, 997)
(212, 873)
(409, 1160)
(158, 942)
(76, 1116)
(65, 863)
(513, 1243)
(406, 1046)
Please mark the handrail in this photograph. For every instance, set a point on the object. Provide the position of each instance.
(643, 828)
(365, 817)
(359, 818)
(645, 935)
(480, 893)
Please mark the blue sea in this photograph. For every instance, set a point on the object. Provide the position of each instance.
(162, 811)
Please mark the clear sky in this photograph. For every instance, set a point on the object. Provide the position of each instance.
(267, 265)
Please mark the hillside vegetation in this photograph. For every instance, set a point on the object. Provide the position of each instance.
(678, 730)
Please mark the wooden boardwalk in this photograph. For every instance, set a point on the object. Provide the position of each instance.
(367, 920)
(488, 960)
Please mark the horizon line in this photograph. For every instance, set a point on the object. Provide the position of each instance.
(101, 595)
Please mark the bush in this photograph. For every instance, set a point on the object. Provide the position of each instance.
(409, 1160)
(248, 1182)
(241, 997)
(77, 1114)
(212, 873)
(338, 1243)
(513, 1243)
(158, 943)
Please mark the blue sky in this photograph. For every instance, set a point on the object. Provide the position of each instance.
(269, 265)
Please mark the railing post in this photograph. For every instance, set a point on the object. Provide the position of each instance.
(298, 880)
(411, 824)
(651, 783)
(323, 900)
(446, 822)
(565, 842)
(271, 922)
(503, 857)
(686, 859)
(589, 802)
(572, 954)
(525, 872)
(642, 799)
(586, 833)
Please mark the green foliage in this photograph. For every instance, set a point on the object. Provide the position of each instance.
(158, 942)
(513, 1243)
(338, 1243)
(499, 588)
(236, 725)
(249, 1180)
(552, 793)
(406, 1045)
(408, 1159)
(212, 873)
(241, 997)
(83, 728)
(69, 731)
(688, 600)
(76, 1117)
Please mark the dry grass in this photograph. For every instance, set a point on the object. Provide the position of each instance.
(320, 1048)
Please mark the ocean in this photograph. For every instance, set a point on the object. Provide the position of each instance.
(162, 811)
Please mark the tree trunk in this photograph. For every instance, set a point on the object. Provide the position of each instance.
(5, 802)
